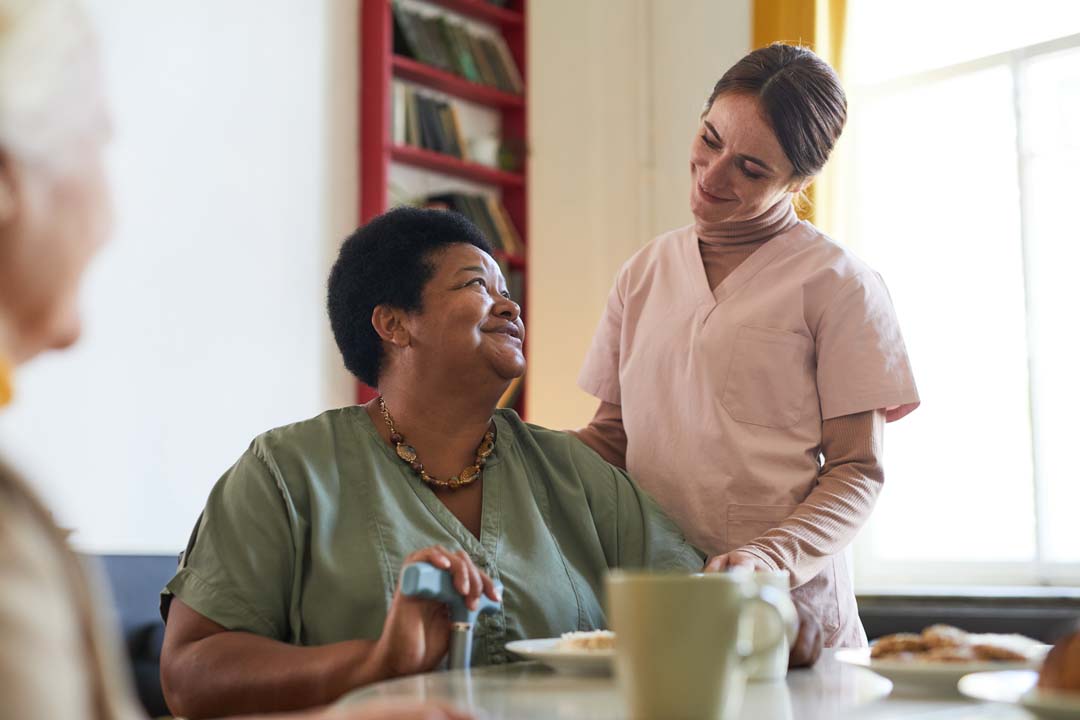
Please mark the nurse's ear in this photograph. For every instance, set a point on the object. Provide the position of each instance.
(799, 184)
(389, 324)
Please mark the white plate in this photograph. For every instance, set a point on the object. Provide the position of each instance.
(578, 662)
(930, 677)
(1018, 687)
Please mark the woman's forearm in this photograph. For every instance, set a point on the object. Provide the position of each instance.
(838, 506)
(233, 673)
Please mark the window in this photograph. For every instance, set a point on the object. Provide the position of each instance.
(960, 173)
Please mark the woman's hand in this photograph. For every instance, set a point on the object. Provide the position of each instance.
(417, 632)
(733, 559)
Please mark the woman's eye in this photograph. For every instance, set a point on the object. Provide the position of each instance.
(705, 139)
(480, 282)
(752, 175)
(506, 294)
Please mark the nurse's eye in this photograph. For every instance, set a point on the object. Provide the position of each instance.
(745, 167)
(711, 143)
(478, 282)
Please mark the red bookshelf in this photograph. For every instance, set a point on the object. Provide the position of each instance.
(450, 165)
(380, 66)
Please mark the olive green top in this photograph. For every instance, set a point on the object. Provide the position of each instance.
(303, 539)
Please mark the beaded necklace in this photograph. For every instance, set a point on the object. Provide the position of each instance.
(407, 453)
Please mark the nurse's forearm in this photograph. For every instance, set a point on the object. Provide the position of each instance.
(605, 434)
(838, 506)
(233, 673)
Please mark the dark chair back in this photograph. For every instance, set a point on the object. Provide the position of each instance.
(135, 582)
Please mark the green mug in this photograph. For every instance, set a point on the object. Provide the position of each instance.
(684, 643)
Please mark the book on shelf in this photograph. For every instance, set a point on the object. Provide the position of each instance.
(487, 213)
(451, 46)
(426, 122)
(399, 128)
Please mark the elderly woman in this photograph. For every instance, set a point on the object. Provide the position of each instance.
(746, 364)
(286, 594)
(58, 658)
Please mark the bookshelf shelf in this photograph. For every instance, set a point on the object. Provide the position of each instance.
(450, 165)
(437, 79)
(480, 10)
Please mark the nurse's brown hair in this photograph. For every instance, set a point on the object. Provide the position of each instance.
(800, 95)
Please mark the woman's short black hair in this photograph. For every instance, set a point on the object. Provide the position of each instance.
(387, 262)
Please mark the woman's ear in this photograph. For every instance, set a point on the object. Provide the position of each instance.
(390, 326)
(800, 184)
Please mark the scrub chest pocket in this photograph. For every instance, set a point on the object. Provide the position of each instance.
(770, 374)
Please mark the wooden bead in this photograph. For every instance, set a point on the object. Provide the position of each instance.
(406, 453)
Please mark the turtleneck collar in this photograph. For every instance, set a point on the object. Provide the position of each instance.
(769, 224)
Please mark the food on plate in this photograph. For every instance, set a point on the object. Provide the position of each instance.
(938, 636)
(900, 643)
(1061, 669)
(1001, 653)
(954, 654)
(948, 644)
(588, 640)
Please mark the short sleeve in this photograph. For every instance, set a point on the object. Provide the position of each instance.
(238, 568)
(862, 363)
(600, 374)
(633, 531)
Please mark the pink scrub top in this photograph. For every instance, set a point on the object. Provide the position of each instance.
(723, 391)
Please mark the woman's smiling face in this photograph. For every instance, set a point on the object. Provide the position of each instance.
(738, 168)
(468, 322)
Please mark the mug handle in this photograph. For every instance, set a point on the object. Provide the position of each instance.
(786, 622)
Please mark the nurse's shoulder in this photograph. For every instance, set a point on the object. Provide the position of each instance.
(827, 265)
(831, 274)
(661, 257)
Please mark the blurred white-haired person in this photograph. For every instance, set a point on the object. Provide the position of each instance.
(58, 656)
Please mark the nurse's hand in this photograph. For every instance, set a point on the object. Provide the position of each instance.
(806, 649)
(416, 634)
(734, 559)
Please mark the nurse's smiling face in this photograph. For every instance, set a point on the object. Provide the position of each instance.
(738, 168)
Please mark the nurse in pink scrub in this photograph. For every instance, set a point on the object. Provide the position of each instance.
(746, 364)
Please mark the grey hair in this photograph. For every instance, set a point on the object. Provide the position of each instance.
(50, 83)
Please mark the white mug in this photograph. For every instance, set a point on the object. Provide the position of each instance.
(772, 665)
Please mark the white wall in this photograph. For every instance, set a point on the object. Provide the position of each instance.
(233, 170)
(616, 89)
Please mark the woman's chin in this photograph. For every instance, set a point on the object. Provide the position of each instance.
(512, 369)
(709, 212)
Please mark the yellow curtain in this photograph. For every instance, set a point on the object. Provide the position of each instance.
(6, 373)
(819, 25)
